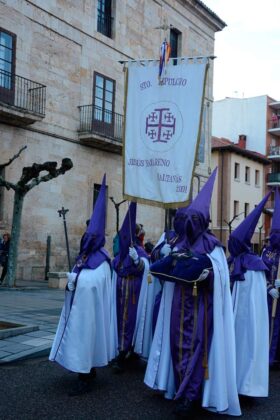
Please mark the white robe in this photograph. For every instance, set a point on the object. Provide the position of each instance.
(83, 341)
(251, 334)
(220, 391)
(142, 337)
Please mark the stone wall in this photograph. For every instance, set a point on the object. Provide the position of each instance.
(58, 46)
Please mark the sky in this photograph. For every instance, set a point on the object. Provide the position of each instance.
(248, 49)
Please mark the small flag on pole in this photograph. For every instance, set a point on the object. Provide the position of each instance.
(165, 51)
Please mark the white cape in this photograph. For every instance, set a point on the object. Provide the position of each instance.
(220, 390)
(251, 334)
(159, 373)
(83, 341)
(142, 337)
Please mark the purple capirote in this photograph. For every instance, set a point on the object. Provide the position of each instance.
(242, 258)
(93, 252)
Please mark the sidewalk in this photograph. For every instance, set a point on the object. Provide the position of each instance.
(37, 309)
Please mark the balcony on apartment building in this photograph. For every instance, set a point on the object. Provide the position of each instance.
(273, 178)
(101, 128)
(274, 125)
(274, 152)
(22, 101)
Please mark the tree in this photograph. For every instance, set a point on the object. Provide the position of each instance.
(29, 179)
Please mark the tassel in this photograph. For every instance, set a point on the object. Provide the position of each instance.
(206, 373)
(149, 279)
(133, 294)
(194, 293)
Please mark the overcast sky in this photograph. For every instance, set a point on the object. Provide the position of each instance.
(248, 49)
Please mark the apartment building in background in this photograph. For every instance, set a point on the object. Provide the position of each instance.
(62, 95)
(259, 118)
(239, 188)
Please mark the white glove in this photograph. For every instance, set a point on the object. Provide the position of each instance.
(133, 255)
(71, 281)
(274, 293)
(203, 275)
(277, 283)
(165, 250)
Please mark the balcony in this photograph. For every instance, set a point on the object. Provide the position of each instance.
(273, 179)
(274, 127)
(104, 24)
(101, 128)
(274, 152)
(22, 101)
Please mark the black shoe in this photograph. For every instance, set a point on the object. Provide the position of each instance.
(81, 387)
(118, 365)
(92, 373)
(185, 408)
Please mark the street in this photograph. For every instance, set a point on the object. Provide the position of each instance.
(37, 389)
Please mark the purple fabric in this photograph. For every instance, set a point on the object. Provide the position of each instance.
(128, 291)
(188, 344)
(271, 258)
(274, 237)
(92, 253)
(156, 311)
(240, 247)
(127, 231)
(129, 282)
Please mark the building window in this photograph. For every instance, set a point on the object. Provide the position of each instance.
(257, 178)
(96, 189)
(174, 43)
(247, 174)
(7, 65)
(246, 209)
(236, 171)
(235, 208)
(104, 17)
(103, 101)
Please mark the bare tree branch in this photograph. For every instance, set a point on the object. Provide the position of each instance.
(7, 184)
(3, 165)
(50, 167)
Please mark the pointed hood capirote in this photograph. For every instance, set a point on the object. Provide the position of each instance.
(127, 231)
(92, 251)
(240, 239)
(275, 224)
(198, 236)
(239, 244)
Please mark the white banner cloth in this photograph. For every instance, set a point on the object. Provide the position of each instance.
(161, 131)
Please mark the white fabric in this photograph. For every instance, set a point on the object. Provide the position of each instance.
(83, 341)
(143, 334)
(159, 372)
(220, 390)
(113, 318)
(251, 334)
(158, 161)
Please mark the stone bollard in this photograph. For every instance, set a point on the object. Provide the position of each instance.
(57, 279)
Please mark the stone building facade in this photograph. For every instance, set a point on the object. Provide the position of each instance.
(62, 95)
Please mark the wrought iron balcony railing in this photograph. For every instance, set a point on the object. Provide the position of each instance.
(274, 124)
(22, 93)
(274, 150)
(96, 120)
(274, 177)
(104, 24)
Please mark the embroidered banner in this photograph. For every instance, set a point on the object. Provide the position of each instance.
(162, 125)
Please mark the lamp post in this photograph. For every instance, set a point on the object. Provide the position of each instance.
(62, 213)
(117, 207)
(232, 220)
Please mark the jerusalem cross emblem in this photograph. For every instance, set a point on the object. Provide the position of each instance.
(160, 125)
